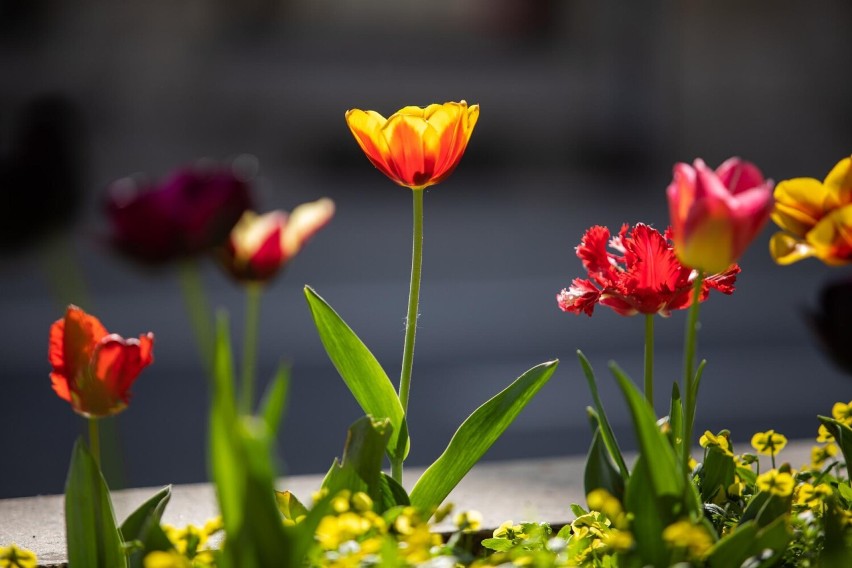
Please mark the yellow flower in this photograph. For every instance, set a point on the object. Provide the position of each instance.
(719, 440)
(694, 538)
(768, 443)
(601, 500)
(842, 412)
(823, 435)
(509, 531)
(416, 147)
(13, 557)
(821, 454)
(620, 541)
(816, 218)
(468, 521)
(813, 497)
(171, 559)
(775, 482)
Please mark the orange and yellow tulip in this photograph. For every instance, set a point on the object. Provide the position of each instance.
(92, 368)
(816, 218)
(415, 147)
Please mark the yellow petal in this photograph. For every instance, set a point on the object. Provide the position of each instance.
(787, 249)
(831, 239)
(838, 183)
(799, 204)
(305, 220)
(367, 127)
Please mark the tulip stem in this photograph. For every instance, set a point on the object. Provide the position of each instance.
(253, 294)
(95, 441)
(689, 368)
(411, 316)
(649, 359)
(199, 311)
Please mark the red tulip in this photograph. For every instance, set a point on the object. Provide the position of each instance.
(716, 214)
(642, 275)
(92, 368)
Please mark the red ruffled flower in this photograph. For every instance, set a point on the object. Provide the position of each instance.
(642, 276)
(92, 368)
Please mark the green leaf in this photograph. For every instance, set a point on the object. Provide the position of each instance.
(606, 431)
(393, 494)
(91, 533)
(289, 505)
(360, 370)
(749, 540)
(764, 508)
(476, 435)
(241, 466)
(842, 434)
(497, 544)
(600, 473)
(664, 474)
(361, 466)
(275, 399)
(676, 420)
(651, 514)
(717, 473)
(143, 525)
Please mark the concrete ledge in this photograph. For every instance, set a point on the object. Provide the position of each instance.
(524, 490)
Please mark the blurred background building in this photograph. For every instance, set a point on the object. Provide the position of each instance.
(586, 105)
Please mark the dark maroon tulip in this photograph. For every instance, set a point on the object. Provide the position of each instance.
(832, 322)
(188, 213)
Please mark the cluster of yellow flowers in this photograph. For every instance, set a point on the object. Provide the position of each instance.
(191, 547)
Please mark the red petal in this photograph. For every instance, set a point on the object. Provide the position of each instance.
(651, 263)
(723, 282)
(118, 363)
(581, 297)
(72, 342)
(592, 251)
(60, 386)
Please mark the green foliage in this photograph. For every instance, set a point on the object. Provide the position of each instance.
(92, 537)
(600, 473)
(142, 527)
(842, 433)
(606, 430)
(476, 435)
(360, 370)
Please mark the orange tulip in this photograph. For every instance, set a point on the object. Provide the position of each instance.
(416, 147)
(261, 245)
(92, 368)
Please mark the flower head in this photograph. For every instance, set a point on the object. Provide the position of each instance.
(642, 275)
(686, 535)
(261, 245)
(13, 557)
(842, 412)
(768, 443)
(188, 213)
(92, 368)
(416, 147)
(776, 483)
(716, 214)
(816, 218)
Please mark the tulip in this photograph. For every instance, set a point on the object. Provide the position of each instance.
(816, 218)
(261, 245)
(190, 212)
(416, 147)
(92, 368)
(716, 215)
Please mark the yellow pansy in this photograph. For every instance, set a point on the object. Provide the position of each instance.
(768, 443)
(842, 412)
(775, 482)
(821, 454)
(691, 537)
(13, 557)
(719, 440)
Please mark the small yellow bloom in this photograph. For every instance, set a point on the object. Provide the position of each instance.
(468, 521)
(813, 497)
(821, 454)
(768, 443)
(842, 412)
(823, 435)
(719, 440)
(171, 559)
(619, 541)
(775, 482)
(685, 535)
(601, 500)
(509, 531)
(13, 557)
(816, 218)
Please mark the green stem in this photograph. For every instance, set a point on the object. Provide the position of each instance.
(199, 311)
(649, 359)
(253, 294)
(689, 368)
(411, 316)
(95, 441)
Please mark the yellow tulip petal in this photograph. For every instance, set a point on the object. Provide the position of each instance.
(305, 221)
(367, 127)
(838, 183)
(799, 204)
(787, 249)
(406, 137)
(831, 239)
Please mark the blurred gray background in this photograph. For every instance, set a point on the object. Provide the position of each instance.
(586, 105)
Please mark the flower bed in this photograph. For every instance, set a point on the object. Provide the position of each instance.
(671, 505)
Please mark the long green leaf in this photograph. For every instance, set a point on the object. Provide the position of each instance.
(665, 475)
(607, 434)
(275, 399)
(476, 435)
(360, 370)
(91, 533)
(749, 540)
(676, 420)
(651, 514)
(843, 434)
(600, 473)
(143, 526)
(361, 466)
